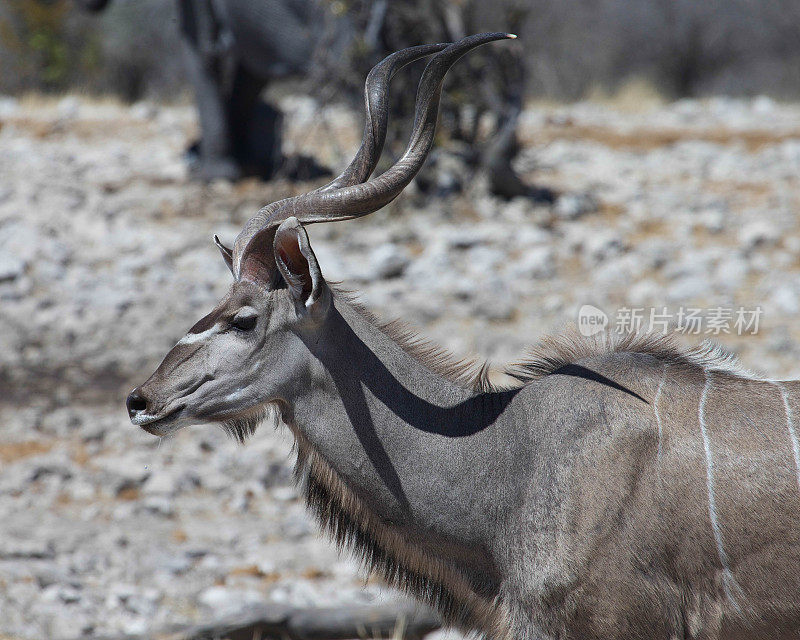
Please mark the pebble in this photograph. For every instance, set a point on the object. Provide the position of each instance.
(571, 206)
(26, 549)
(536, 262)
(388, 261)
(161, 482)
(225, 602)
(758, 233)
(11, 267)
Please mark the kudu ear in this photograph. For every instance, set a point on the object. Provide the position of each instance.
(227, 254)
(299, 267)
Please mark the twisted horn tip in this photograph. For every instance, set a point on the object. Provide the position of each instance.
(511, 36)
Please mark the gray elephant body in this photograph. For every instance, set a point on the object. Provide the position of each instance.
(233, 48)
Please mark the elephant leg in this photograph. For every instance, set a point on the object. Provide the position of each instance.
(255, 126)
(503, 180)
(205, 71)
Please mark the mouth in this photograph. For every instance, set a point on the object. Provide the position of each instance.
(155, 424)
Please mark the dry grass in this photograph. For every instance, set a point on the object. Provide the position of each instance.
(649, 139)
(179, 536)
(648, 229)
(635, 94)
(314, 573)
(83, 128)
(15, 451)
(248, 570)
(252, 571)
(129, 494)
(80, 454)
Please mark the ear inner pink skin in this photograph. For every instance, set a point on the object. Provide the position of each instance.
(289, 253)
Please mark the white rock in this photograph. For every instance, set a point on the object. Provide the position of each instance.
(135, 627)
(29, 549)
(11, 267)
(571, 206)
(285, 494)
(224, 601)
(144, 110)
(8, 106)
(763, 105)
(159, 504)
(387, 261)
(161, 482)
(688, 290)
(61, 593)
(601, 245)
(536, 262)
(69, 108)
(713, 220)
(786, 299)
(758, 233)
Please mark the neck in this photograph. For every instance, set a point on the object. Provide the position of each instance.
(393, 451)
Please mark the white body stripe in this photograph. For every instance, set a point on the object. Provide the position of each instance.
(655, 407)
(792, 431)
(727, 579)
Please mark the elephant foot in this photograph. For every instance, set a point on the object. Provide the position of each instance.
(505, 183)
(208, 169)
(300, 168)
(294, 168)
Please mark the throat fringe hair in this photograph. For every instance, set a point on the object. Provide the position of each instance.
(383, 549)
(242, 427)
(380, 547)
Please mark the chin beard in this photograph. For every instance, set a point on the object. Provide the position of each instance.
(242, 427)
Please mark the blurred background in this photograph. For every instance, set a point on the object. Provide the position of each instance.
(626, 155)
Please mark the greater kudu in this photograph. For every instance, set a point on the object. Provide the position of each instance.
(623, 489)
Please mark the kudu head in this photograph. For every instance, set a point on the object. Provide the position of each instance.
(250, 350)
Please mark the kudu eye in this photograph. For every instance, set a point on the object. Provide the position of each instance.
(245, 320)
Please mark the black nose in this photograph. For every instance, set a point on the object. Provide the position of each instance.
(135, 403)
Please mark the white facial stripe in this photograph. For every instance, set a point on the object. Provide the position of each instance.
(238, 394)
(192, 338)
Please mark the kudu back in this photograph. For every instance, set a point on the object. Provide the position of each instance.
(624, 488)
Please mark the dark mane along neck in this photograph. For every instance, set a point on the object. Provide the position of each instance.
(467, 372)
(550, 354)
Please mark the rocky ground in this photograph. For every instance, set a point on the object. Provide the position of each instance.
(106, 259)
